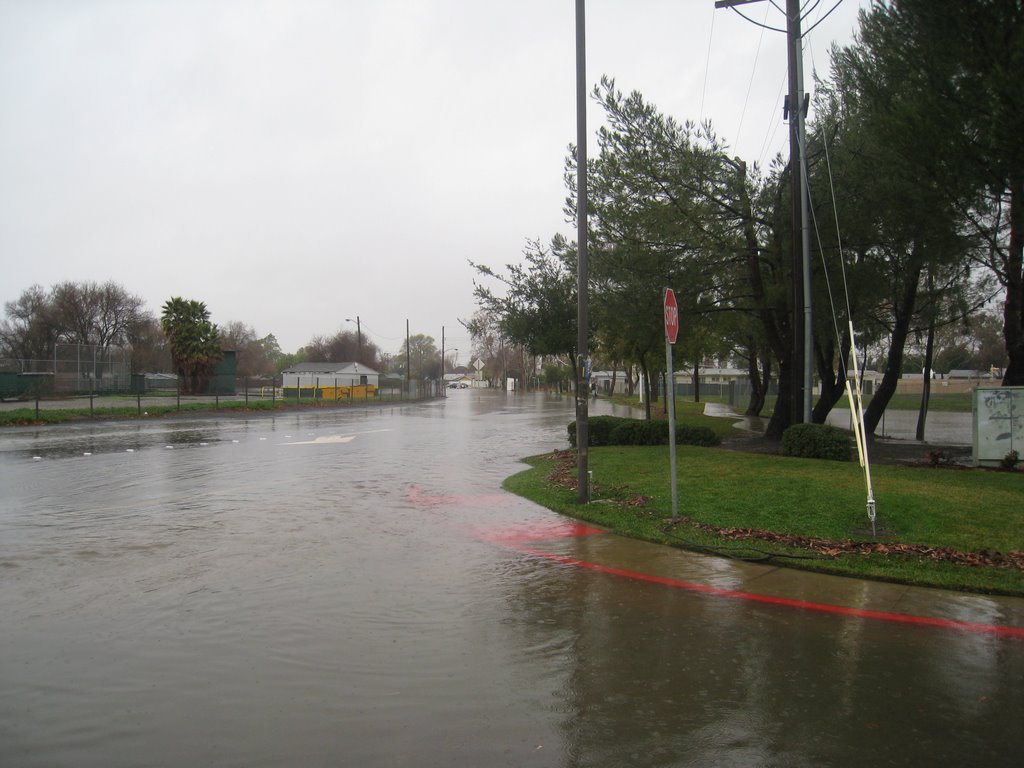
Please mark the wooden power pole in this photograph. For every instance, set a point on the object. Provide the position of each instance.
(795, 111)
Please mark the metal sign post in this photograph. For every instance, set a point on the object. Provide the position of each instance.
(671, 333)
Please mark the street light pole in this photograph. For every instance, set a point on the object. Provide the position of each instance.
(359, 336)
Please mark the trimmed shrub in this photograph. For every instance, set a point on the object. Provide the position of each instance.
(599, 428)
(617, 430)
(635, 432)
(702, 436)
(817, 441)
(1010, 460)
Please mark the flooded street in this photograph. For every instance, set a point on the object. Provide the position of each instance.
(353, 588)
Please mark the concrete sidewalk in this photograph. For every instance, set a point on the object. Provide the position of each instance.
(941, 428)
(582, 546)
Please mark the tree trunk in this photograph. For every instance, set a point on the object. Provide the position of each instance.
(757, 404)
(696, 382)
(758, 386)
(1013, 309)
(646, 377)
(775, 318)
(833, 381)
(759, 373)
(926, 385)
(903, 312)
(781, 416)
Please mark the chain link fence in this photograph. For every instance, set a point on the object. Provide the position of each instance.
(74, 369)
(162, 392)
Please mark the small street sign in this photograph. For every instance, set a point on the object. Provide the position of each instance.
(671, 316)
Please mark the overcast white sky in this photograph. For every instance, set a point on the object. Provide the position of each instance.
(293, 163)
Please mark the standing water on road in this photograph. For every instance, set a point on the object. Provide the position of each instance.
(335, 588)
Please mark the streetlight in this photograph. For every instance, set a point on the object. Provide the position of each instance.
(359, 335)
(444, 384)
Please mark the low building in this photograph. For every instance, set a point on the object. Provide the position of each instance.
(458, 380)
(320, 375)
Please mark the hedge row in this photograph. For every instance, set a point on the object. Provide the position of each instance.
(619, 430)
(817, 441)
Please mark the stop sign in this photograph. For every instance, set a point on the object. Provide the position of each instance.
(671, 316)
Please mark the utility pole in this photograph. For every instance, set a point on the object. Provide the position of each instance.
(795, 111)
(359, 337)
(798, 205)
(582, 279)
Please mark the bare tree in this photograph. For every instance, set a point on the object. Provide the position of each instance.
(91, 313)
(28, 331)
(255, 356)
(149, 349)
(343, 347)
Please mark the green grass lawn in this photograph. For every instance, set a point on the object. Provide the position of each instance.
(964, 510)
(29, 416)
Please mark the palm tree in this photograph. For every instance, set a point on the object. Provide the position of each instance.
(194, 341)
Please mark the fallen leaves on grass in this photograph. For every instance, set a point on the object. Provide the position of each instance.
(564, 475)
(833, 548)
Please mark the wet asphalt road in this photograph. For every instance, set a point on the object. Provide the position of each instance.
(353, 588)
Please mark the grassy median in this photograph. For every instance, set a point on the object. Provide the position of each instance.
(948, 527)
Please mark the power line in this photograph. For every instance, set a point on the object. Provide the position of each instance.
(707, 68)
(750, 85)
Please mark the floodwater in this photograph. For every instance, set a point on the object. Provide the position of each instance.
(353, 588)
(941, 427)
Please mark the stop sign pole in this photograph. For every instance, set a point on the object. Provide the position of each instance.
(671, 333)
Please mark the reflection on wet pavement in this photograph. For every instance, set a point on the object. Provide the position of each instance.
(355, 588)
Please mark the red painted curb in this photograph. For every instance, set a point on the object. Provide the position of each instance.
(806, 605)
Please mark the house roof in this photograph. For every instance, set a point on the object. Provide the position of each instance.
(338, 368)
